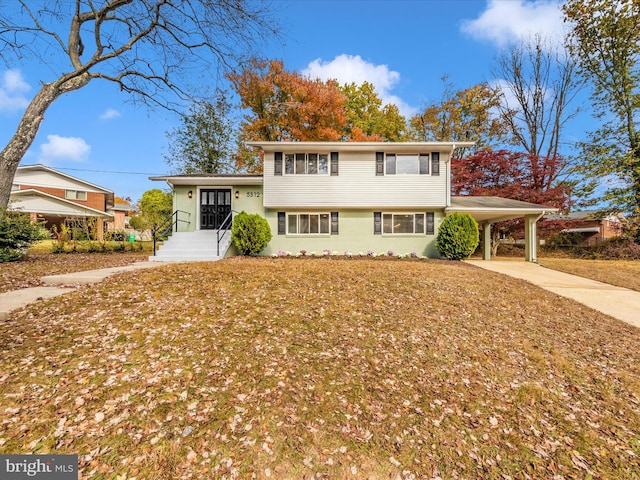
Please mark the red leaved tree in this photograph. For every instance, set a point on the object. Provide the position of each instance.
(514, 175)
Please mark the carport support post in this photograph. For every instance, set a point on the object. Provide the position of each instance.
(486, 241)
(530, 238)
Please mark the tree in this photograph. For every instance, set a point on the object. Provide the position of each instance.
(462, 116)
(284, 105)
(515, 175)
(367, 119)
(538, 84)
(203, 143)
(155, 207)
(146, 47)
(605, 38)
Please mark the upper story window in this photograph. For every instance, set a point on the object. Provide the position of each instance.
(408, 164)
(75, 195)
(306, 164)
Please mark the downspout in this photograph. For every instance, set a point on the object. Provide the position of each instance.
(448, 185)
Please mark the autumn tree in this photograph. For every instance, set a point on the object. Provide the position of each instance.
(284, 105)
(146, 47)
(367, 119)
(515, 175)
(204, 141)
(605, 37)
(538, 84)
(461, 116)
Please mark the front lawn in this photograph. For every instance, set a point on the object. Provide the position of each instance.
(322, 368)
(622, 273)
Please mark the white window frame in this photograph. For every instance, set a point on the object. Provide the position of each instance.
(297, 216)
(387, 160)
(393, 223)
(75, 194)
(294, 157)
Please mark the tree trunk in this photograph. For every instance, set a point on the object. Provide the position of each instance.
(28, 129)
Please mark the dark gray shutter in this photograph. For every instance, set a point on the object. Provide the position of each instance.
(435, 164)
(424, 163)
(379, 163)
(430, 223)
(377, 223)
(277, 163)
(334, 223)
(282, 226)
(334, 164)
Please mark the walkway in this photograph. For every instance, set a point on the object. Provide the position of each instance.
(617, 302)
(55, 285)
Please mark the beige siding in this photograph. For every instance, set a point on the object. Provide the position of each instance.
(356, 186)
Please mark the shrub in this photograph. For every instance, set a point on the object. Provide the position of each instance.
(17, 233)
(458, 236)
(250, 233)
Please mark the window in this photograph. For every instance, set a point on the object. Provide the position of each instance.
(403, 223)
(75, 195)
(407, 164)
(306, 164)
(308, 223)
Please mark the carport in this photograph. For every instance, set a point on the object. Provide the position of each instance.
(489, 210)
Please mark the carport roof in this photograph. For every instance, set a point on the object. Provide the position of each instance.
(495, 209)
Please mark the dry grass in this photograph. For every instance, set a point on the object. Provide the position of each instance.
(326, 368)
(27, 273)
(622, 273)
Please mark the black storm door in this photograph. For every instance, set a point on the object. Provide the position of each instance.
(215, 205)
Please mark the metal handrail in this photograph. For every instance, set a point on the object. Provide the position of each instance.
(167, 225)
(228, 221)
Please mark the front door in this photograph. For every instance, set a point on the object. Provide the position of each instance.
(215, 205)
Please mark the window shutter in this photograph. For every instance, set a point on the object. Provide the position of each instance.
(435, 164)
(277, 163)
(334, 164)
(377, 223)
(379, 163)
(334, 223)
(281, 223)
(430, 223)
(424, 164)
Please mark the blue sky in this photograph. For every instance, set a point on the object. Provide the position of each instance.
(403, 47)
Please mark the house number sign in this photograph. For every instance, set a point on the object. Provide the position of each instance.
(253, 194)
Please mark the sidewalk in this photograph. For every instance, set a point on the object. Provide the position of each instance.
(617, 302)
(55, 285)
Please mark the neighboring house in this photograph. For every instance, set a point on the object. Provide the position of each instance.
(120, 212)
(591, 227)
(336, 196)
(53, 197)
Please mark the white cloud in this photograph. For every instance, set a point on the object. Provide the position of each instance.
(64, 148)
(505, 22)
(12, 89)
(110, 114)
(353, 69)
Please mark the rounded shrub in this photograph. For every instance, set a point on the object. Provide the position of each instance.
(17, 234)
(250, 233)
(458, 236)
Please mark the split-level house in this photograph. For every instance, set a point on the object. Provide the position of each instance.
(339, 197)
(53, 197)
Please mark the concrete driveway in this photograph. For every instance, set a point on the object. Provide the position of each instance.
(617, 302)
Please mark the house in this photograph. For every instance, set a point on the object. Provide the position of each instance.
(336, 196)
(589, 226)
(53, 198)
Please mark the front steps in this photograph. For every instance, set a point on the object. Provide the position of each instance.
(198, 246)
